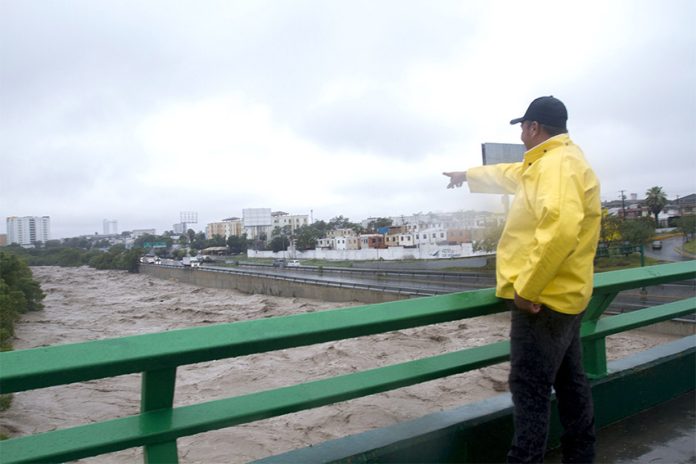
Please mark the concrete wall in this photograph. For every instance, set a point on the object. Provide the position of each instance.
(269, 285)
(427, 251)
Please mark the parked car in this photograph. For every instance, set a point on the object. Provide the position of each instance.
(279, 262)
(657, 245)
(293, 263)
(189, 261)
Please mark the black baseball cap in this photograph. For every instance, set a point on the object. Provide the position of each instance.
(546, 110)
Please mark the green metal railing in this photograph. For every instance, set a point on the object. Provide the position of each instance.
(624, 249)
(158, 355)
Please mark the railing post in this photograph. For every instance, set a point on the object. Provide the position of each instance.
(594, 357)
(594, 351)
(158, 393)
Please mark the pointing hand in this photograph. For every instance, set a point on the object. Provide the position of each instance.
(457, 178)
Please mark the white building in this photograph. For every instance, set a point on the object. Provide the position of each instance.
(430, 236)
(110, 227)
(347, 242)
(28, 230)
(292, 221)
(135, 233)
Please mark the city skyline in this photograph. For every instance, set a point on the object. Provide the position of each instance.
(629, 199)
(140, 110)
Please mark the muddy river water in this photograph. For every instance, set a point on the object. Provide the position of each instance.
(84, 304)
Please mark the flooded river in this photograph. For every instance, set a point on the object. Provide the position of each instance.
(84, 304)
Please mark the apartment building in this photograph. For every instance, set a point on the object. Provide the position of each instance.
(28, 230)
(430, 236)
(372, 241)
(347, 242)
(340, 239)
(226, 228)
(289, 221)
(341, 233)
(392, 237)
(457, 235)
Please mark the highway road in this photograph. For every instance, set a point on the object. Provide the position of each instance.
(668, 251)
(420, 283)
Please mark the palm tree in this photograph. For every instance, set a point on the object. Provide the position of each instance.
(656, 199)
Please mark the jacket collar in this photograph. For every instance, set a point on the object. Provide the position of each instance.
(540, 150)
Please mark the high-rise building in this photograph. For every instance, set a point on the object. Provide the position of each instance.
(110, 227)
(28, 230)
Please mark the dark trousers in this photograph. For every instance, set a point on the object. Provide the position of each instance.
(545, 352)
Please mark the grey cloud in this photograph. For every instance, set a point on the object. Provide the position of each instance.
(375, 124)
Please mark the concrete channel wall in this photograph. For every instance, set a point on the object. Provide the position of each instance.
(269, 285)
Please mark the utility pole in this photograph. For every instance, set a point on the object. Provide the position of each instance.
(623, 205)
(679, 206)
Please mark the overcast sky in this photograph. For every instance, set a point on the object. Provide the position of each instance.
(138, 110)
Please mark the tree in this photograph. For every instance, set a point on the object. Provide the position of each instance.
(216, 241)
(15, 273)
(237, 244)
(610, 230)
(307, 236)
(280, 243)
(687, 226)
(656, 200)
(70, 257)
(19, 293)
(491, 237)
(340, 222)
(637, 231)
(191, 234)
(198, 241)
(379, 223)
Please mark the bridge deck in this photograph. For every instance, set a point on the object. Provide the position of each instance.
(663, 434)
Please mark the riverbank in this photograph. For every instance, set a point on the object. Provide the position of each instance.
(84, 304)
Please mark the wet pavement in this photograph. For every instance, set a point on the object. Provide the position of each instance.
(669, 251)
(665, 434)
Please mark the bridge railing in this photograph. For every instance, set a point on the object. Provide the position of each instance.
(157, 356)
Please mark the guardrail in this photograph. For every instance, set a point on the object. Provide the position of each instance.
(158, 355)
(401, 290)
(387, 272)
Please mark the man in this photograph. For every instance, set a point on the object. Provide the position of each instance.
(544, 271)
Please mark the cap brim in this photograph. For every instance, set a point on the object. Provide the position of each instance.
(517, 121)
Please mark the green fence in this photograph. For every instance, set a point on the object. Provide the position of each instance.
(157, 356)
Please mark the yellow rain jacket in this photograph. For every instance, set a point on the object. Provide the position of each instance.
(548, 245)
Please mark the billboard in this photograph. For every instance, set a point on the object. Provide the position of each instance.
(255, 217)
(495, 153)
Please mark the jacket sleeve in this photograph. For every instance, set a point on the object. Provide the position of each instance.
(494, 178)
(559, 211)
